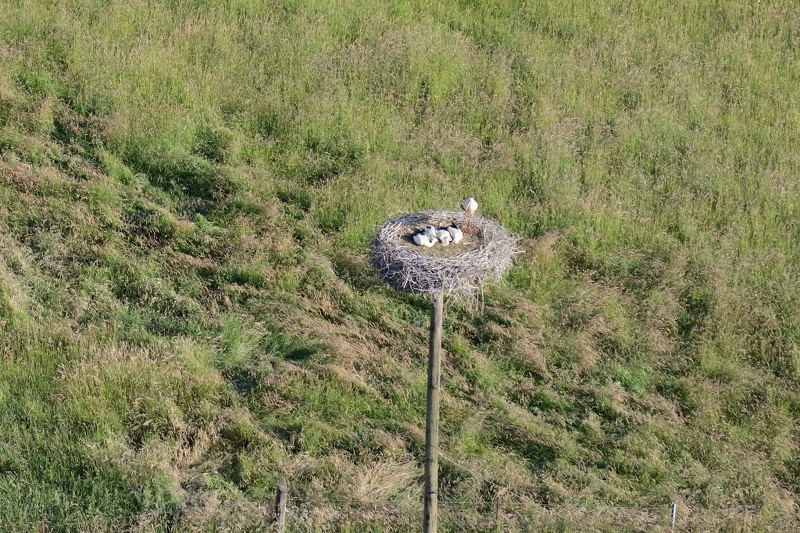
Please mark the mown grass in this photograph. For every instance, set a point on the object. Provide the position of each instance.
(187, 316)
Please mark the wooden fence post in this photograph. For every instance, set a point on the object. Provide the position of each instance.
(430, 519)
(497, 514)
(280, 506)
(674, 515)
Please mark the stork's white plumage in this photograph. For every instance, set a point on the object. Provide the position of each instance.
(430, 232)
(444, 236)
(470, 205)
(456, 234)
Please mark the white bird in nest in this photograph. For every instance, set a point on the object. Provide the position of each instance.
(456, 234)
(430, 232)
(420, 239)
(444, 236)
(470, 206)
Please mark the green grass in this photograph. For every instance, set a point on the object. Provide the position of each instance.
(187, 315)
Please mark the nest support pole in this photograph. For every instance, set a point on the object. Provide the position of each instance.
(432, 417)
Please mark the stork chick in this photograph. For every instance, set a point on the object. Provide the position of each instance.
(456, 234)
(420, 239)
(444, 236)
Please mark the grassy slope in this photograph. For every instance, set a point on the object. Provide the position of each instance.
(187, 316)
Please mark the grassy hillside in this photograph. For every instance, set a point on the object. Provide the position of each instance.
(187, 316)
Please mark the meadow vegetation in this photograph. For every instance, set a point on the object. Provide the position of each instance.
(187, 315)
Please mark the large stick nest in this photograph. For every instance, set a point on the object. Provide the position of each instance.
(458, 269)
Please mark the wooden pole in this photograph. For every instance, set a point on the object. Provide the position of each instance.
(498, 517)
(674, 515)
(497, 523)
(280, 507)
(432, 418)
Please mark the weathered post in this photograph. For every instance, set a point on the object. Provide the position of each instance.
(432, 417)
(498, 518)
(280, 507)
(674, 515)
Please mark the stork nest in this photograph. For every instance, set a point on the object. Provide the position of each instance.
(457, 269)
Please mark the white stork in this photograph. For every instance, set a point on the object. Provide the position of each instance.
(420, 239)
(455, 234)
(469, 206)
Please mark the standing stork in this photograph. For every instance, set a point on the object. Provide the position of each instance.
(469, 206)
